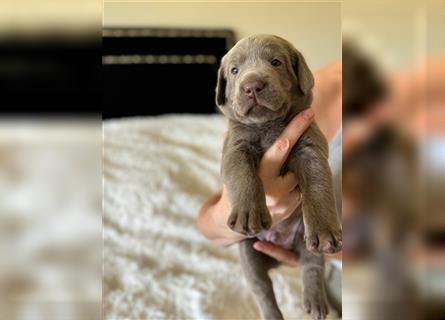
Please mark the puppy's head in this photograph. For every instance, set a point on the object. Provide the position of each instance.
(261, 79)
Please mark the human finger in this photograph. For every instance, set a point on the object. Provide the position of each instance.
(279, 253)
(276, 155)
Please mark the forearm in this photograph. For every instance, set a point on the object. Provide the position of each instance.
(327, 104)
(212, 220)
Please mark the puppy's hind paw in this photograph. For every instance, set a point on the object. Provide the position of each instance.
(316, 305)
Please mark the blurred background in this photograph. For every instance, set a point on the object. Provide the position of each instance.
(393, 160)
(50, 56)
(50, 160)
(54, 88)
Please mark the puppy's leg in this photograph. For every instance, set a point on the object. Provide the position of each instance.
(322, 225)
(255, 267)
(239, 172)
(314, 287)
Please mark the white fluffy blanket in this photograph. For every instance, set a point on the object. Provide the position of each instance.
(157, 173)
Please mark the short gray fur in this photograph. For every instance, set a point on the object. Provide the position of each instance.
(281, 92)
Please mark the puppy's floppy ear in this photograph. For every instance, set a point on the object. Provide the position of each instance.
(221, 86)
(302, 71)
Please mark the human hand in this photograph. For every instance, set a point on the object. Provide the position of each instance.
(282, 255)
(213, 215)
(282, 194)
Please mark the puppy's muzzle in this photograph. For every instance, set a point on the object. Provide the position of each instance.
(252, 88)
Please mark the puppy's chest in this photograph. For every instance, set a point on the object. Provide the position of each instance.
(267, 136)
(267, 139)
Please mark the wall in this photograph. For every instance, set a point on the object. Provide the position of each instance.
(314, 28)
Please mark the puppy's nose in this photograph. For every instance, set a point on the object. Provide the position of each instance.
(253, 86)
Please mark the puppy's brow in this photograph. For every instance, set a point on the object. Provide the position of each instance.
(237, 58)
(272, 51)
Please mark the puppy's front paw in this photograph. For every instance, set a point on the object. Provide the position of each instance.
(250, 219)
(324, 239)
(315, 303)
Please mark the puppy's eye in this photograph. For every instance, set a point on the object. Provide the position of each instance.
(234, 70)
(275, 62)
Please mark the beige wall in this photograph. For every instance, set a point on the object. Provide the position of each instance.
(397, 33)
(314, 28)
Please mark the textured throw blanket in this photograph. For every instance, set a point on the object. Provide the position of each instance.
(157, 173)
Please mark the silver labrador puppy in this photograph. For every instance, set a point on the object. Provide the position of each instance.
(263, 82)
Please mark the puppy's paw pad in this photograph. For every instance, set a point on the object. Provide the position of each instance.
(262, 220)
(330, 243)
(249, 221)
(238, 221)
(312, 243)
(325, 241)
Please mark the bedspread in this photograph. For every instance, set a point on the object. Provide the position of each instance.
(157, 173)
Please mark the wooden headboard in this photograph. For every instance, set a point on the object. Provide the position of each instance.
(152, 71)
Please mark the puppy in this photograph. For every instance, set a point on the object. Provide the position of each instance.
(263, 82)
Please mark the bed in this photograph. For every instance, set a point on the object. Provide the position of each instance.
(168, 65)
(157, 173)
(158, 170)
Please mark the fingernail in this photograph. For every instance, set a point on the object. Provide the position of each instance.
(258, 245)
(308, 113)
(283, 144)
